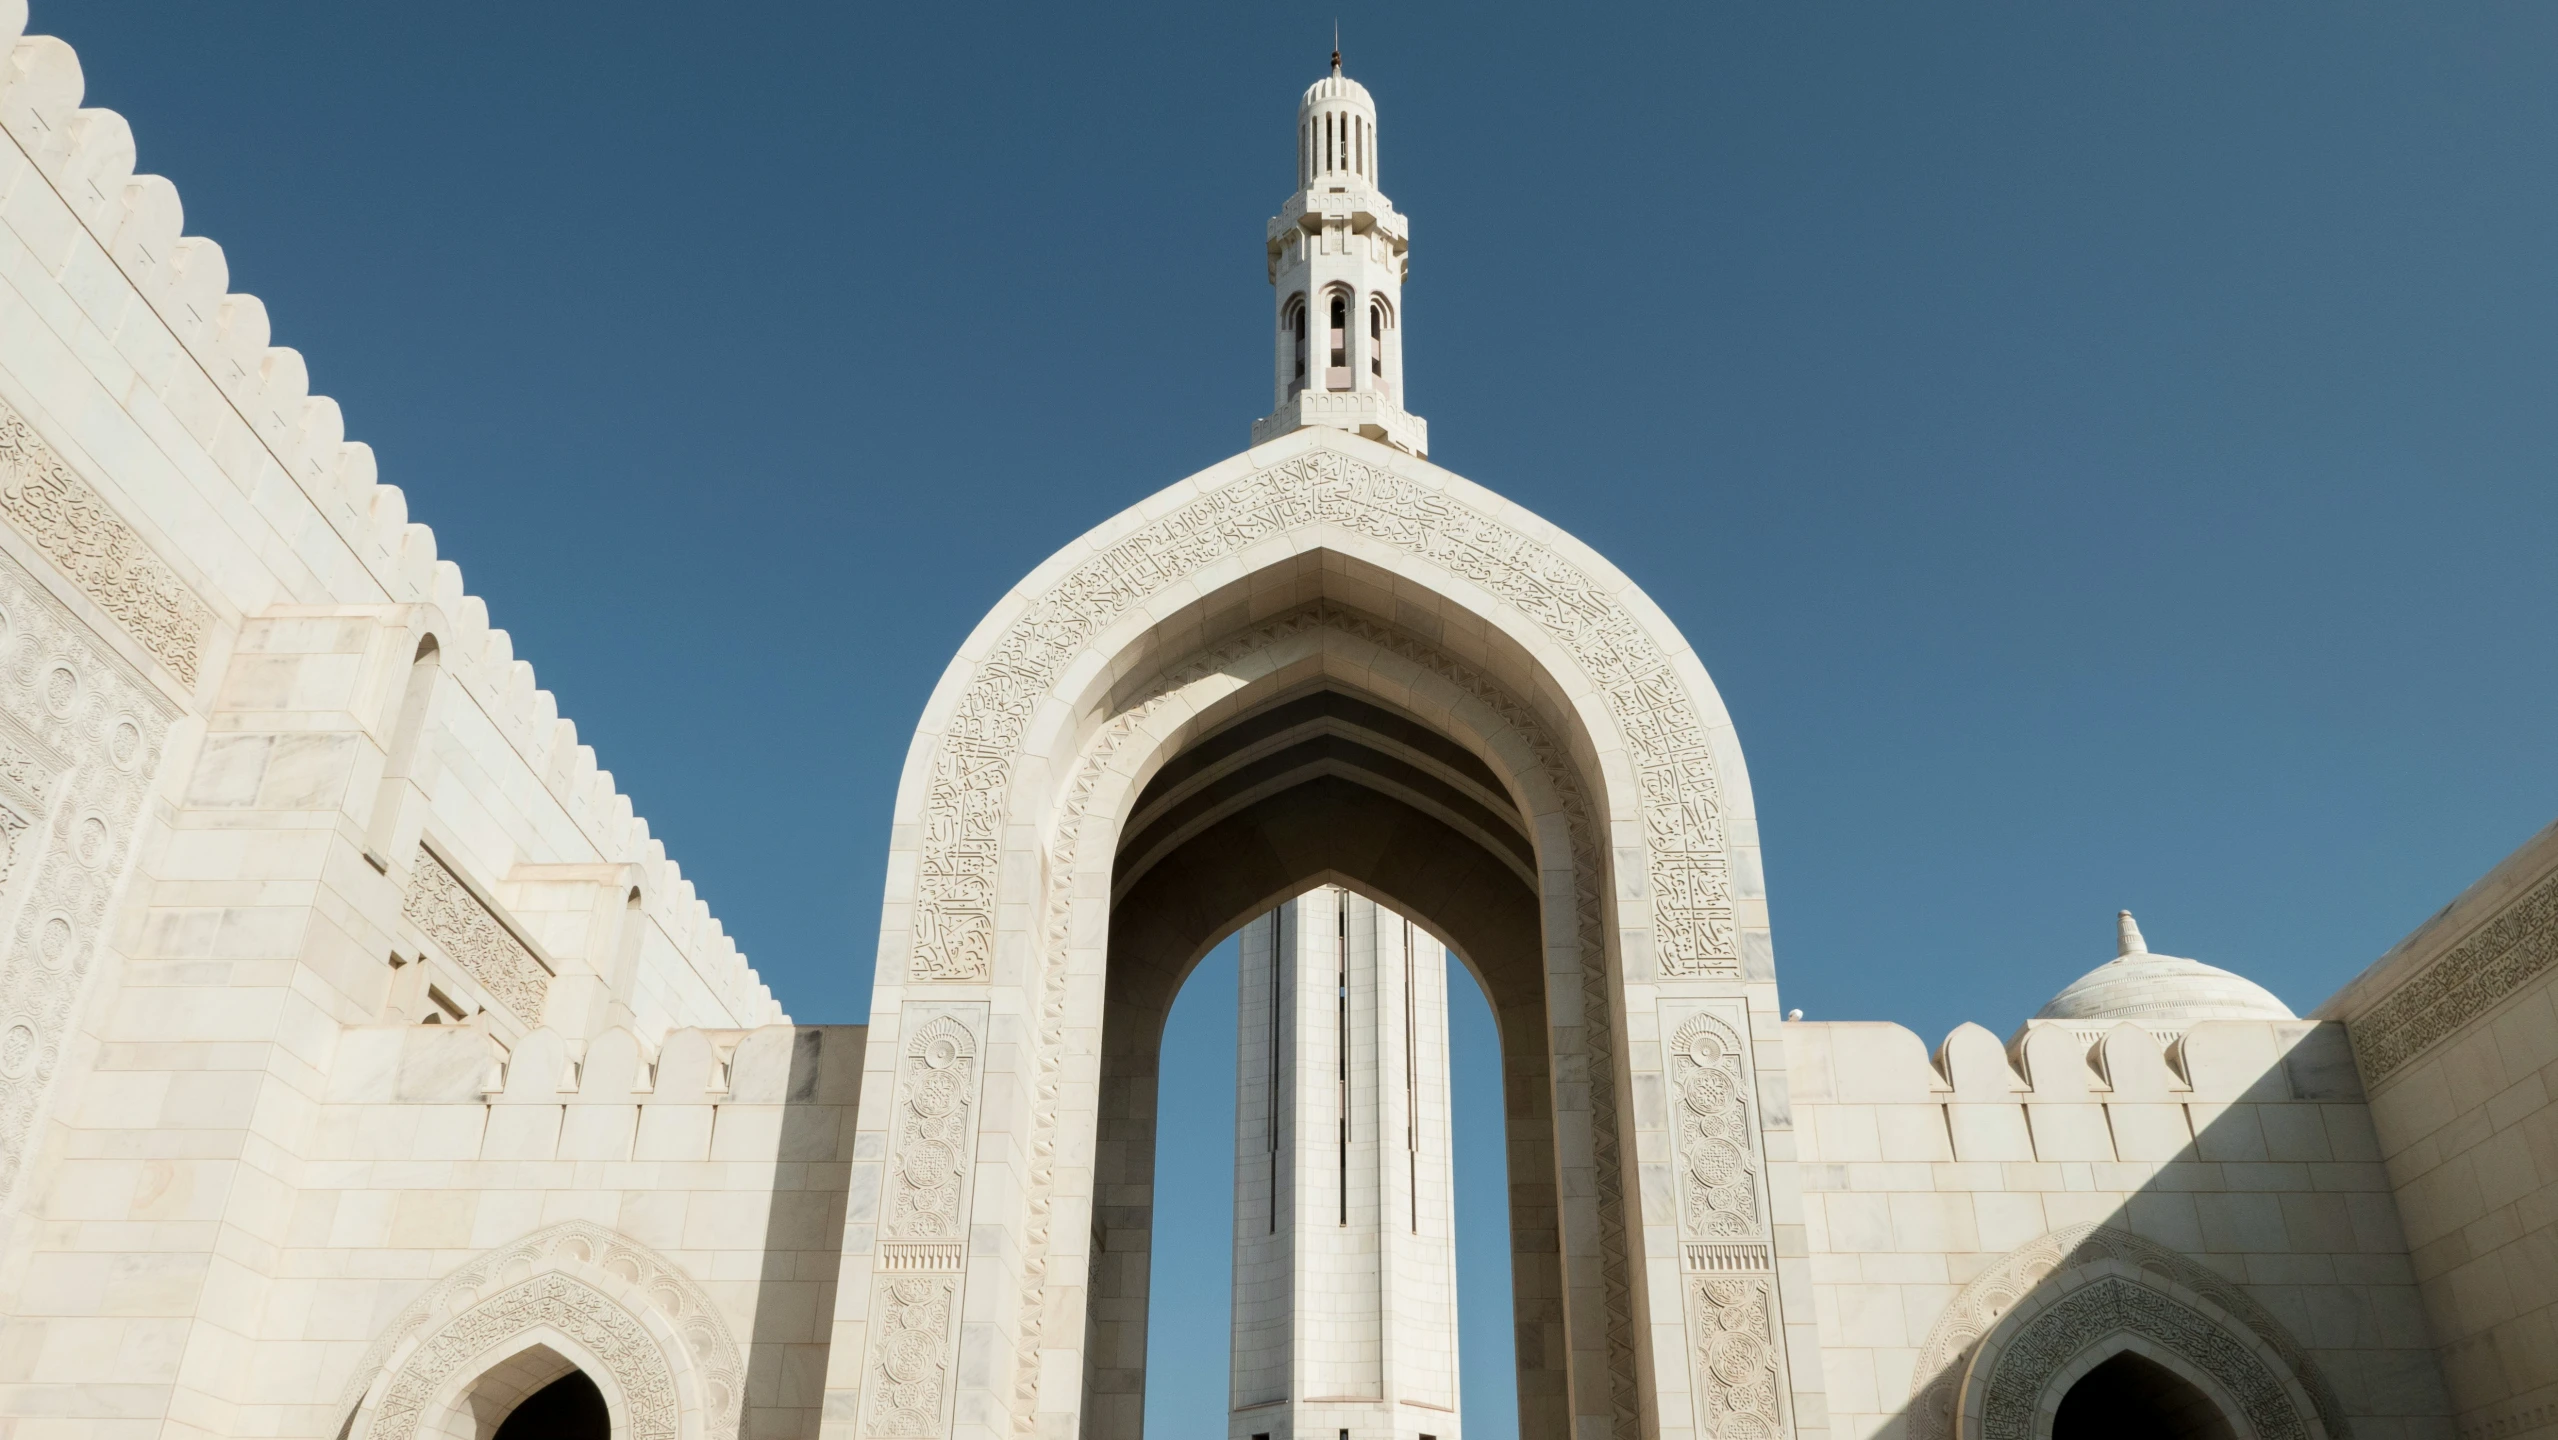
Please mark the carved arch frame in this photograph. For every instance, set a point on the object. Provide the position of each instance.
(971, 929)
(2086, 1316)
(650, 1339)
(2013, 1341)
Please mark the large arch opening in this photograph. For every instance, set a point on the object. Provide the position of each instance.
(2132, 1397)
(1319, 769)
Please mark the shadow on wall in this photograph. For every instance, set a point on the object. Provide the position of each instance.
(694, 1269)
(803, 1235)
(2157, 1228)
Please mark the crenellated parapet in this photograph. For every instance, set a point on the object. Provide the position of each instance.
(2214, 1062)
(780, 1064)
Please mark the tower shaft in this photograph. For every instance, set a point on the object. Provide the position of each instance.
(1345, 1247)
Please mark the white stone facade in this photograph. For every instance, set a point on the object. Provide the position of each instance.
(365, 1066)
(1345, 1284)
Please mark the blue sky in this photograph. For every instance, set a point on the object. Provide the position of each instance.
(2103, 453)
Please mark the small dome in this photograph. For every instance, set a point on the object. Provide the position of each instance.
(1337, 88)
(2137, 985)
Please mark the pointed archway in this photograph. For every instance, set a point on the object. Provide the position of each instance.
(1320, 661)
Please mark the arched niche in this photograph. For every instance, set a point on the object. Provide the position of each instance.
(1495, 734)
(575, 1295)
(2013, 1341)
(2140, 1390)
(481, 1394)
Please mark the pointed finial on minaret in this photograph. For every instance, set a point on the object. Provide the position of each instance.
(1336, 47)
(2127, 936)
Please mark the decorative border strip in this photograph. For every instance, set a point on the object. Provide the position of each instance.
(922, 1255)
(1732, 1259)
(445, 910)
(87, 541)
(2477, 974)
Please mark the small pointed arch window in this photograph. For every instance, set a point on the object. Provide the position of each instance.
(1337, 367)
(408, 728)
(1292, 325)
(1380, 320)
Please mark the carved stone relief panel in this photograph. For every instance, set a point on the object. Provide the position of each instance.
(1679, 792)
(109, 562)
(2495, 961)
(923, 1232)
(447, 913)
(1736, 1361)
(81, 735)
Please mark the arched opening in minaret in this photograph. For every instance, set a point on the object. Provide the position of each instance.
(1337, 368)
(1293, 324)
(1358, 754)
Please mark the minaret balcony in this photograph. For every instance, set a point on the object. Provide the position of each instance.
(1372, 413)
(1362, 208)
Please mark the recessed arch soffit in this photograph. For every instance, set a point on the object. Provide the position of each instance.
(620, 1301)
(1112, 777)
(2017, 1323)
(1631, 676)
(1321, 731)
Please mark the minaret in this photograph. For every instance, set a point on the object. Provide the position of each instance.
(1345, 1280)
(1338, 251)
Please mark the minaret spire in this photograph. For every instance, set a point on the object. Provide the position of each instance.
(1338, 252)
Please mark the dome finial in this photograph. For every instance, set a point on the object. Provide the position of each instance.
(1336, 47)
(2127, 935)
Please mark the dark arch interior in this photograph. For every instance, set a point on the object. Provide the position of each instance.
(1320, 787)
(2132, 1397)
(569, 1408)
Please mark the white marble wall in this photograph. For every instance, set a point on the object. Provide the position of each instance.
(2456, 1030)
(2249, 1153)
(217, 839)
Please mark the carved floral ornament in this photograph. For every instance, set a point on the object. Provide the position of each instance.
(930, 1151)
(967, 789)
(1731, 1300)
(81, 736)
(2053, 1306)
(446, 912)
(668, 1360)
